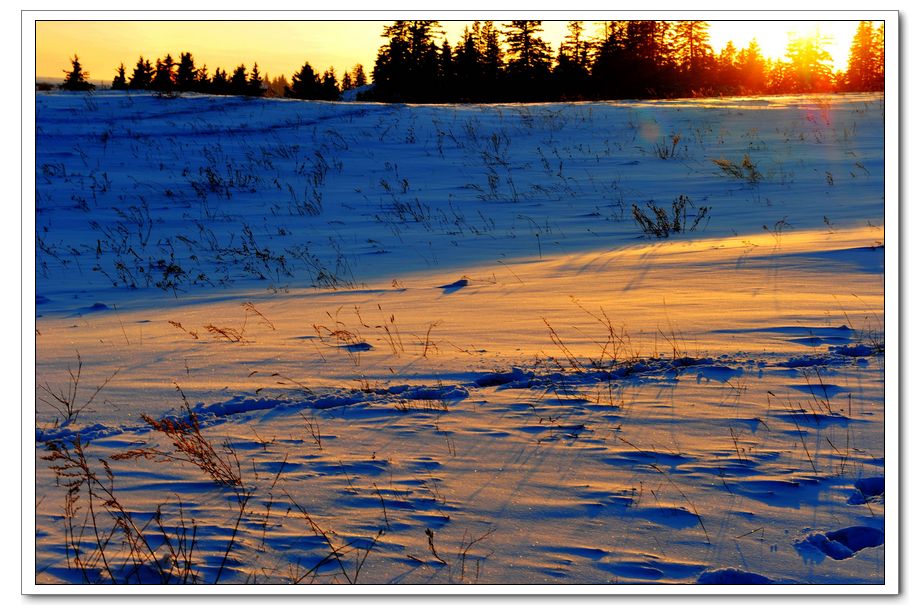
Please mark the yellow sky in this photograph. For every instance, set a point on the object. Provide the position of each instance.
(281, 47)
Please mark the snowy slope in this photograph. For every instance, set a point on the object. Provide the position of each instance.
(442, 348)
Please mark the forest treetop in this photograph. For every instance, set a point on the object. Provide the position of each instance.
(511, 62)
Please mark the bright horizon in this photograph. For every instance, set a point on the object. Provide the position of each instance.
(281, 47)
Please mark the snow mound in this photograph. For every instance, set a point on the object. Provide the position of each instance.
(732, 576)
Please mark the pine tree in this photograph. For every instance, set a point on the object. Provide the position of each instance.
(254, 85)
(808, 68)
(202, 81)
(277, 86)
(692, 53)
(529, 59)
(528, 52)
(610, 56)
(406, 67)
(347, 83)
(304, 84)
(467, 65)
(572, 62)
(142, 76)
(752, 69)
(186, 74)
(878, 83)
(329, 86)
(75, 78)
(220, 84)
(728, 74)
(358, 77)
(164, 79)
(120, 82)
(446, 62)
(493, 61)
(239, 81)
(866, 66)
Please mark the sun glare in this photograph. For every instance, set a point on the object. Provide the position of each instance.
(774, 37)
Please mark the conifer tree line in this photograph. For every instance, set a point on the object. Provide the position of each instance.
(168, 76)
(511, 62)
(625, 59)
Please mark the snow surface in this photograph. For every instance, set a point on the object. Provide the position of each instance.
(439, 333)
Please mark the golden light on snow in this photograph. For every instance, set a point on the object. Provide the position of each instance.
(616, 342)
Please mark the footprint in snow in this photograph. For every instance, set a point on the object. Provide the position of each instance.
(840, 544)
(868, 490)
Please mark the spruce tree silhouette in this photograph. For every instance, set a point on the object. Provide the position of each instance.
(866, 67)
(120, 82)
(220, 84)
(529, 60)
(186, 73)
(75, 78)
(304, 84)
(358, 77)
(164, 78)
(329, 86)
(254, 86)
(239, 81)
(692, 55)
(142, 75)
(571, 72)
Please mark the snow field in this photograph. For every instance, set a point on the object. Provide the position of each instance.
(442, 349)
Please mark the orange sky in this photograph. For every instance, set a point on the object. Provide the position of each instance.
(281, 47)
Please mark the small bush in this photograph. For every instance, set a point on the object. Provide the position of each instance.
(747, 170)
(666, 147)
(656, 221)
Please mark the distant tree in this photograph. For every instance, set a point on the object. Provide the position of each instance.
(75, 78)
(329, 86)
(406, 67)
(467, 65)
(276, 87)
(304, 84)
(571, 72)
(445, 63)
(254, 86)
(727, 79)
(120, 82)
(690, 45)
(202, 81)
(528, 53)
(752, 69)
(358, 78)
(610, 56)
(634, 60)
(808, 66)
(186, 73)
(142, 76)
(493, 57)
(239, 81)
(692, 54)
(347, 82)
(164, 79)
(866, 66)
(220, 83)
(529, 60)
